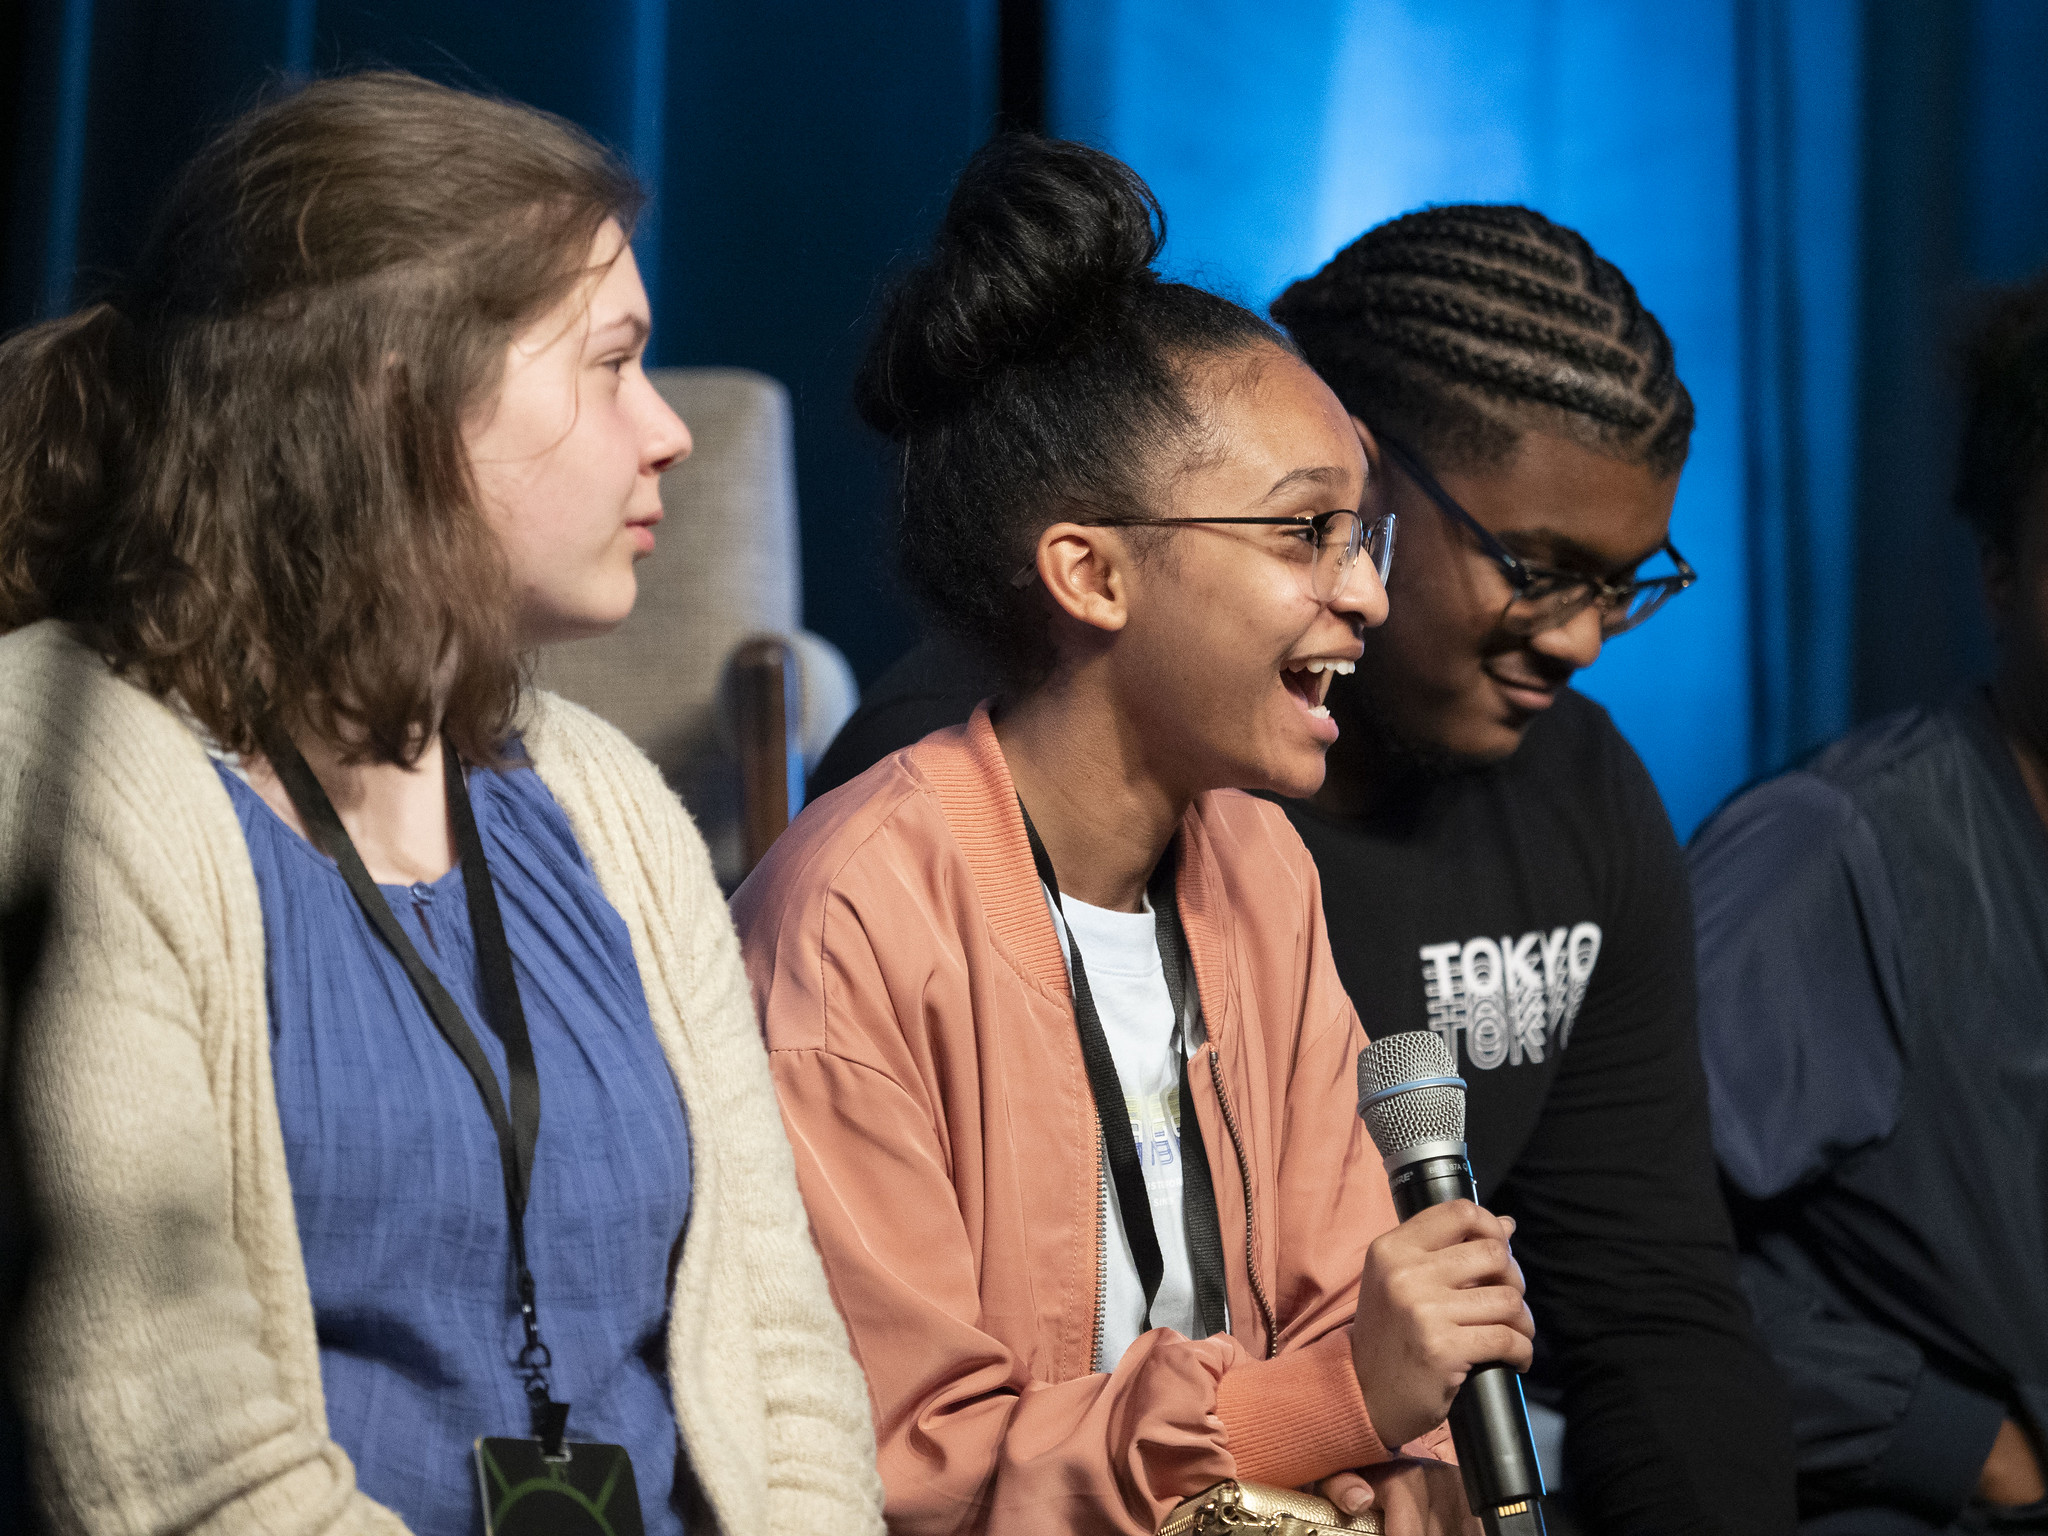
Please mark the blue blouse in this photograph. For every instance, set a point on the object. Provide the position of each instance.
(395, 1168)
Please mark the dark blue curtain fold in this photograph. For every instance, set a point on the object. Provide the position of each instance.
(810, 150)
(1918, 623)
(116, 94)
(1781, 569)
(1798, 189)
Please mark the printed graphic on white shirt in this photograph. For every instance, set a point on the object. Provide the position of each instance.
(1155, 1126)
(1508, 1000)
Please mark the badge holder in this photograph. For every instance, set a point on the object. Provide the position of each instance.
(545, 1485)
(586, 1491)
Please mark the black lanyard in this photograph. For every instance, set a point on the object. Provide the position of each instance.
(517, 1130)
(1112, 1115)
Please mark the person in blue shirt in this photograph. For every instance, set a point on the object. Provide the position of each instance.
(390, 1082)
(1873, 945)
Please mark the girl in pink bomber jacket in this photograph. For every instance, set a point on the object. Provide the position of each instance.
(1153, 514)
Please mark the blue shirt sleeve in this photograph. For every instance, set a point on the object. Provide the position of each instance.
(1876, 1424)
(1799, 979)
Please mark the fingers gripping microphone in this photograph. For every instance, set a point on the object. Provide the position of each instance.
(1413, 1104)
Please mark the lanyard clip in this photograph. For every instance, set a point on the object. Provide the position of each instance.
(536, 1358)
(550, 1422)
(550, 1418)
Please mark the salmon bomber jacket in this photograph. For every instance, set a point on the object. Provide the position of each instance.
(922, 1041)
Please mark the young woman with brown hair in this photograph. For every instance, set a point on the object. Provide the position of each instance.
(279, 522)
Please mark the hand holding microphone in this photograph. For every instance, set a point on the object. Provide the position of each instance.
(1442, 1327)
(1440, 1295)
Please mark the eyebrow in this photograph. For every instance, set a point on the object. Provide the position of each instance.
(1321, 474)
(635, 325)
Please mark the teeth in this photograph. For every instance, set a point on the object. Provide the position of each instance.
(1341, 668)
(1320, 712)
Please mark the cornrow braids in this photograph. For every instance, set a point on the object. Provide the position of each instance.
(1460, 328)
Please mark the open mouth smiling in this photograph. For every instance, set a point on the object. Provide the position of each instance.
(1309, 682)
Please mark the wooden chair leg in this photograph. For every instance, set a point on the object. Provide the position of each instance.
(764, 680)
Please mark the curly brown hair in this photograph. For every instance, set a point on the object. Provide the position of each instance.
(242, 477)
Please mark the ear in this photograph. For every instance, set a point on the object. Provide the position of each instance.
(1379, 479)
(1086, 573)
(1375, 459)
(1370, 444)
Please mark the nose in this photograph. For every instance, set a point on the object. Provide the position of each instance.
(667, 441)
(1575, 642)
(1364, 598)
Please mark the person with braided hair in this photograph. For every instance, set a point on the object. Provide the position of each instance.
(1495, 862)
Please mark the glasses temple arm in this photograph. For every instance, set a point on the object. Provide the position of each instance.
(1446, 503)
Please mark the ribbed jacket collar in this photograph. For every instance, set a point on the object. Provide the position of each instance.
(968, 774)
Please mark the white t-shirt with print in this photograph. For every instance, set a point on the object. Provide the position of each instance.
(1128, 983)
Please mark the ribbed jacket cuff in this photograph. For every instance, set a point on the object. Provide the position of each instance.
(1938, 1450)
(1297, 1418)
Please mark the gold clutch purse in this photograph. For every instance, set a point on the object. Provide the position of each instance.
(1240, 1509)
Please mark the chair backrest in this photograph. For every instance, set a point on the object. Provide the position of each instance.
(725, 566)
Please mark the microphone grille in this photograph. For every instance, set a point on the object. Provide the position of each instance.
(1407, 1118)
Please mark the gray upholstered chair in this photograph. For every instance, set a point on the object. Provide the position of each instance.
(725, 570)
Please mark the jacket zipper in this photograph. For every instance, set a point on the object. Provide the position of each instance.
(1101, 1251)
(1244, 1174)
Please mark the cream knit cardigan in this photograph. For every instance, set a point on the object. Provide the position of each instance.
(166, 1359)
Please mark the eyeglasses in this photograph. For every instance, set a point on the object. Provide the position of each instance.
(1543, 596)
(1330, 543)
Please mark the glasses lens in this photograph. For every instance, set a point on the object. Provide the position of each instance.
(1560, 605)
(1336, 554)
(1532, 615)
(1379, 545)
(1642, 602)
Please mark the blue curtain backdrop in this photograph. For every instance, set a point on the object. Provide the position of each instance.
(1721, 153)
(1806, 191)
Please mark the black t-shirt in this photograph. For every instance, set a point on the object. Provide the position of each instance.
(1516, 910)
(1536, 914)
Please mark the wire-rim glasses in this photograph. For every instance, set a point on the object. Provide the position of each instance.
(1543, 596)
(1337, 538)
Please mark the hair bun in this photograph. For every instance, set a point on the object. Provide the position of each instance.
(1044, 241)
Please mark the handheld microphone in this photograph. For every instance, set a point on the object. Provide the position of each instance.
(1413, 1104)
